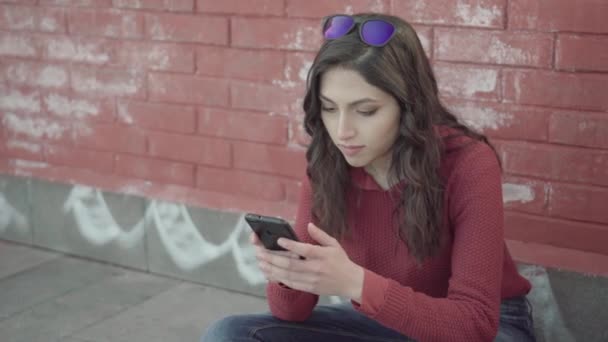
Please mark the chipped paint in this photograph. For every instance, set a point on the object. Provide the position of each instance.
(16, 46)
(477, 15)
(517, 193)
(16, 100)
(65, 107)
(77, 51)
(483, 118)
(23, 145)
(34, 127)
(45, 76)
(90, 83)
(124, 115)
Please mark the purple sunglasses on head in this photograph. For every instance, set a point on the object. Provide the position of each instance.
(374, 32)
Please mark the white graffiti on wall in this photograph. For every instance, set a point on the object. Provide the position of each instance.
(9, 215)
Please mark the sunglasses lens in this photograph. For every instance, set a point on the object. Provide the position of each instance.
(377, 32)
(338, 26)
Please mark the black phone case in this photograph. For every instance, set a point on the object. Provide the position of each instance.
(270, 229)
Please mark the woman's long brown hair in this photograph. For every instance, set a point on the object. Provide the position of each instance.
(401, 69)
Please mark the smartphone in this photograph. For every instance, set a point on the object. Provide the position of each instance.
(269, 229)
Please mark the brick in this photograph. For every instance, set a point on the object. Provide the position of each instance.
(113, 138)
(154, 56)
(293, 189)
(298, 133)
(256, 7)
(494, 47)
(104, 82)
(36, 128)
(561, 233)
(78, 108)
(187, 28)
(269, 159)
(585, 53)
(322, 8)
(583, 129)
(264, 97)
(296, 69)
(28, 18)
(76, 3)
(33, 74)
(525, 195)
(206, 151)
(425, 35)
(240, 125)
(157, 116)
(556, 162)
(554, 89)
(477, 13)
(108, 23)
(559, 15)
(155, 170)
(21, 149)
(80, 49)
(262, 65)
(579, 203)
(162, 5)
(19, 100)
(474, 82)
(188, 89)
(504, 121)
(276, 33)
(18, 45)
(249, 184)
(98, 161)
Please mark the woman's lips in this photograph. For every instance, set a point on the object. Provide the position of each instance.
(351, 150)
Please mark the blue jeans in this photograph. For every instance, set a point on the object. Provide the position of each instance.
(342, 323)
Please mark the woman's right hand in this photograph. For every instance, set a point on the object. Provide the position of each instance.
(261, 254)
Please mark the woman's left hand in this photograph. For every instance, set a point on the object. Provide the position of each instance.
(327, 270)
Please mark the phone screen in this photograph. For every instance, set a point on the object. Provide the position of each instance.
(269, 229)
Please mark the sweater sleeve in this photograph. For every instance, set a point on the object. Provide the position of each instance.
(470, 311)
(286, 303)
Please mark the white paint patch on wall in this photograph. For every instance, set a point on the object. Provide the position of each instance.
(34, 127)
(123, 113)
(70, 108)
(65, 48)
(482, 118)
(45, 76)
(28, 164)
(473, 81)
(90, 83)
(18, 101)
(17, 46)
(24, 145)
(477, 15)
(10, 215)
(517, 193)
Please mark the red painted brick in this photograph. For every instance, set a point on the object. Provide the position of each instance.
(80, 158)
(80, 49)
(104, 82)
(467, 81)
(264, 97)
(293, 189)
(21, 149)
(495, 47)
(275, 160)
(296, 69)
(567, 234)
(298, 133)
(19, 99)
(21, 2)
(188, 89)
(556, 162)
(157, 116)
(276, 33)
(425, 35)
(504, 121)
(583, 129)
(113, 138)
(74, 3)
(78, 108)
(579, 203)
(261, 7)
(256, 127)
(479, 13)
(154, 56)
(553, 89)
(33, 74)
(18, 45)
(212, 152)
(240, 183)
(187, 28)
(322, 8)
(559, 15)
(525, 195)
(168, 5)
(155, 170)
(254, 65)
(108, 23)
(30, 18)
(582, 53)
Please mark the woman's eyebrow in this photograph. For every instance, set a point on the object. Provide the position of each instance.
(354, 103)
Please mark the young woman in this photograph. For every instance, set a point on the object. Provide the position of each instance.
(401, 210)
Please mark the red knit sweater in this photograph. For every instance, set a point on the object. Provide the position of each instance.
(456, 295)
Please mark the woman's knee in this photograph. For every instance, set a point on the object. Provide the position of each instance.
(230, 328)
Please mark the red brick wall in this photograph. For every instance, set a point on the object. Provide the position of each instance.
(199, 102)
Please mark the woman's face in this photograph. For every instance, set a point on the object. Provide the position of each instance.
(361, 119)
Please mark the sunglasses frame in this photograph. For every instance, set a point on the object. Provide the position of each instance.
(327, 19)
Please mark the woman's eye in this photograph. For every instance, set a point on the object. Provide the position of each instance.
(328, 109)
(367, 112)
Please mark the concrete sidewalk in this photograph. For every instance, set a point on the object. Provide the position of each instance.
(49, 297)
